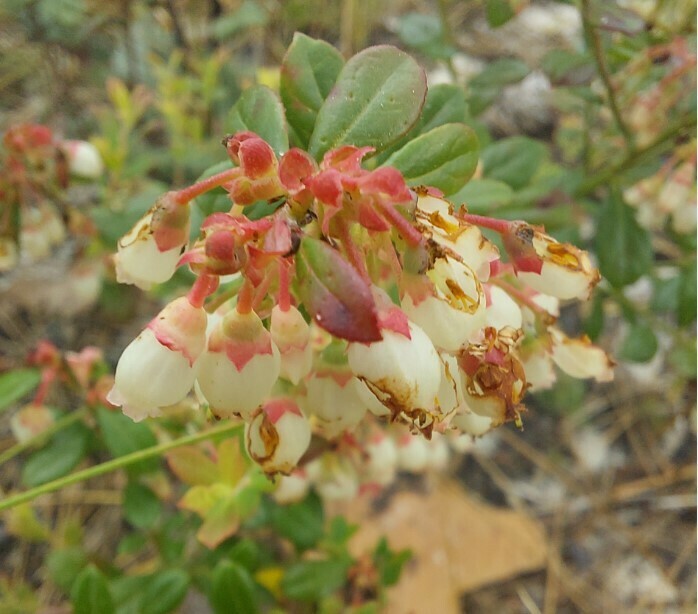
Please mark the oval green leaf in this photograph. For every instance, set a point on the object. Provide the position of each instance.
(335, 294)
(233, 590)
(59, 457)
(445, 157)
(311, 580)
(259, 110)
(308, 72)
(91, 594)
(141, 506)
(377, 98)
(514, 160)
(16, 384)
(623, 247)
(164, 592)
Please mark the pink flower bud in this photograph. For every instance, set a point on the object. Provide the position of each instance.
(157, 367)
(148, 254)
(278, 436)
(291, 334)
(240, 365)
(403, 372)
(84, 159)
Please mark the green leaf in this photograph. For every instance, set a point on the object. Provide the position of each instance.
(301, 523)
(233, 590)
(312, 580)
(687, 295)
(164, 592)
(388, 563)
(141, 506)
(498, 12)
(91, 594)
(665, 295)
(308, 72)
(485, 87)
(16, 384)
(445, 104)
(558, 63)
(640, 344)
(377, 99)
(249, 15)
(425, 33)
(64, 566)
(123, 436)
(623, 247)
(65, 450)
(682, 357)
(483, 195)
(593, 324)
(500, 73)
(259, 110)
(334, 293)
(513, 160)
(445, 157)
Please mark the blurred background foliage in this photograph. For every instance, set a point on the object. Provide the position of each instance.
(585, 113)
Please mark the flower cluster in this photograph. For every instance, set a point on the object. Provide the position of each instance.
(356, 303)
(35, 167)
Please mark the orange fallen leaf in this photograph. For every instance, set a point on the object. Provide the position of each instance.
(458, 543)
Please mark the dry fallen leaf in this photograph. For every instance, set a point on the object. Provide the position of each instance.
(458, 544)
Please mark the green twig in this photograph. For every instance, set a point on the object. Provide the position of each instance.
(114, 464)
(604, 176)
(38, 439)
(594, 39)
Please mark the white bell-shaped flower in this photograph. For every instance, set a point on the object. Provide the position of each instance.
(291, 334)
(455, 310)
(240, 365)
(580, 358)
(84, 159)
(291, 488)
(148, 254)
(403, 372)
(382, 456)
(157, 367)
(335, 400)
(277, 436)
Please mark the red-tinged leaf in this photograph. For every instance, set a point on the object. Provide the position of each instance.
(202, 499)
(335, 294)
(221, 522)
(192, 466)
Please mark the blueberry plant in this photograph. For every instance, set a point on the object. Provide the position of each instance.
(343, 306)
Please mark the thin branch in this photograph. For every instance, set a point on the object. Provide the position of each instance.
(594, 39)
(632, 158)
(116, 463)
